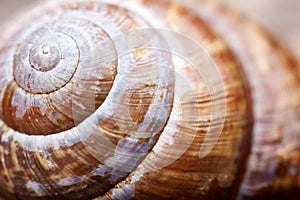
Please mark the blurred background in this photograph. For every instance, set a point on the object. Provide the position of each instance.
(280, 17)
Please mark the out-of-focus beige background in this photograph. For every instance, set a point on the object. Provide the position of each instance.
(280, 17)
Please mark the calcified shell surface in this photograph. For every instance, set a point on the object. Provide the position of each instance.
(142, 99)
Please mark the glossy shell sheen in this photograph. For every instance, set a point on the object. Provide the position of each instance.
(143, 99)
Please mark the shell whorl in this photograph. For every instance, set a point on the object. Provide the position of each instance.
(59, 78)
(146, 100)
(66, 89)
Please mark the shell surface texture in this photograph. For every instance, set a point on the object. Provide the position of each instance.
(144, 99)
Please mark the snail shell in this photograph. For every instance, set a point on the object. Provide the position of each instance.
(140, 99)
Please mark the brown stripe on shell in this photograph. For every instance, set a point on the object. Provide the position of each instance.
(105, 156)
(188, 176)
(273, 76)
(34, 114)
(74, 102)
(77, 163)
(54, 171)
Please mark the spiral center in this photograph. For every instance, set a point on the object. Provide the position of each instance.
(45, 58)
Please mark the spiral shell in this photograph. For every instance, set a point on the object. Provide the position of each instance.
(140, 99)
